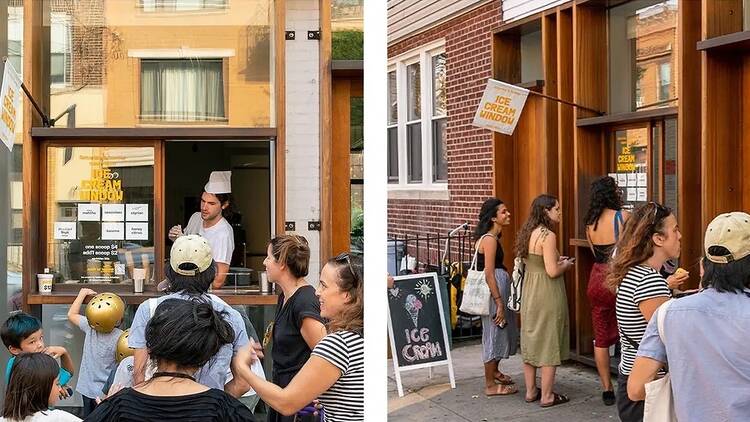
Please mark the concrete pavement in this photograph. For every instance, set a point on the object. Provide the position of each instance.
(432, 399)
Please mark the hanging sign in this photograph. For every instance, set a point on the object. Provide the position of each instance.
(501, 106)
(10, 103)
(416, 327)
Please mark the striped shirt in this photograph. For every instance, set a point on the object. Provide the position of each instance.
(640, 283)
(345, 400)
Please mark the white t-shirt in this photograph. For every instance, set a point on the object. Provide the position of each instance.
(220, 236)
(124, 374)
(47, 415)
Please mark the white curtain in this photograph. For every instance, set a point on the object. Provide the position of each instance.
(182, 90)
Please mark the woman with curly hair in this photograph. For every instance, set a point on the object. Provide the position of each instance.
(545, 339)
(650, 238)
(499, 328)
(604, 221)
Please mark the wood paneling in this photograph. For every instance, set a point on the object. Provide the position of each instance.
(340, 165)
(720, 17)
(138, 298)
(33, 79)
(506, 66)
(326, 153)
(549, 157)
(590, 90)
(689, 135)
(280, 92)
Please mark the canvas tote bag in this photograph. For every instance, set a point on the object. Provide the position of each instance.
(659, 406)
(476, 297)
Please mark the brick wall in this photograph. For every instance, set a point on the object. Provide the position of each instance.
(468, 49)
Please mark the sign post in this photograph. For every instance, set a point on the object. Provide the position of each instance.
(416, 327)
(10, 104)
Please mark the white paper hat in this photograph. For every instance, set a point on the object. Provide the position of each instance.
(219, 182)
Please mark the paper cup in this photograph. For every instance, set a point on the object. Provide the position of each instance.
(45, 283)
(139, 274)
(138, 285)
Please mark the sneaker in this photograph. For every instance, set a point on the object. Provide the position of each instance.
(608, 397)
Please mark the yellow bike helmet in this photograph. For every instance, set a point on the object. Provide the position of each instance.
(123, 350)
(104, 312)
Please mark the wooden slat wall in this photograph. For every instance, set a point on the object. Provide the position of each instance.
(721, 112)
(689, 136)
(590, 90)
(340, 178)
(506, 66)
(33, 80)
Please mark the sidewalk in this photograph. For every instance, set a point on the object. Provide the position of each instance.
(426, 399)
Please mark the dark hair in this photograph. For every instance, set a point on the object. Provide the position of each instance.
(30, 384)
(17, 327)
(350, 272)
(292, 251)
(604, 195)
(193, 285)
(187, 332)
(486, 214)
(636, 243)
(731, 277)
(537, 217)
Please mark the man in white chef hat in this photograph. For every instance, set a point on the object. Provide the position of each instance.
(211, 224)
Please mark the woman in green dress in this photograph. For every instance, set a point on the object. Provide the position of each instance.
(544, 308)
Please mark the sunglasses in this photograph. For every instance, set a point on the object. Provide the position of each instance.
(660, 213)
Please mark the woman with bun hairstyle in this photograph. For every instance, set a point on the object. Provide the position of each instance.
(499, 328)
(297, 326)
(334, 374)
(605, 221)
(181, 337)
(33, 388)
(650, 238)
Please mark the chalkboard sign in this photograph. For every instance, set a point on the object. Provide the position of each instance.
(416, 325)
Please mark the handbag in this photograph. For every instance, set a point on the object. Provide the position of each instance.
(476, 297)
(659, 406)
(519, 271)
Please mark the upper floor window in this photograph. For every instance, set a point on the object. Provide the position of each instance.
(417, 131)
(182, 90)
(642, 55)
(181, 5)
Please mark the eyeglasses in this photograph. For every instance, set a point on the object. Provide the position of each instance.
(658, 207)
(347, 257)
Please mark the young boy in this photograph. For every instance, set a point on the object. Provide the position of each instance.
(23, 333)
(98, 351)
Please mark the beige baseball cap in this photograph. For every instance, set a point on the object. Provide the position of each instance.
(731, 231)
(190, 249)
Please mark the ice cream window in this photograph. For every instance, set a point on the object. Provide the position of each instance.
(99, 214)
(644, 162)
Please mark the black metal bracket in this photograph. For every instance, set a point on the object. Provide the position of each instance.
(313, 226)
(313, 35)
(290, 226)
(289, 36)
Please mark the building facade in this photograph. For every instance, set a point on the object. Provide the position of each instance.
(655, 83)
(149, 97)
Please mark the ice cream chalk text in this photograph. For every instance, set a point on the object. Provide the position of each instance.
(418, 345)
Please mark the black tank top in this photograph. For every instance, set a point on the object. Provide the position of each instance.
(602, 253)
(499, 257)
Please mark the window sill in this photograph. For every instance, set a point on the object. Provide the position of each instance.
(419, 192)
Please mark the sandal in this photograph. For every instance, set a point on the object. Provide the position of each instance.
(559, 399)
(504, 379)
(503, 390)
(536, 398)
